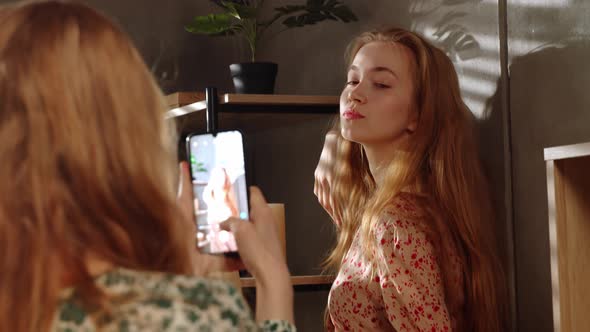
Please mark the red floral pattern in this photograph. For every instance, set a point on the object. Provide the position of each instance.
(408, 296)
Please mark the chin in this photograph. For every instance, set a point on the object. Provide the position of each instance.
(352, 135)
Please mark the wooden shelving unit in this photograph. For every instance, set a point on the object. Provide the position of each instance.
(182, 103)
(251, 113)
(295, 280)
(248, 112)
(568, 185)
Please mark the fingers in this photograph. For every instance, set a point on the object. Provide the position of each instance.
(326, 198)
(184, 186)
(259, 209)
(185, 192)
(315, 186)
(324, 173)
(248, 241)
(256, 197)
(321, 190)
(335, 208)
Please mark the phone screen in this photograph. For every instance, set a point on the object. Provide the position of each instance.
(219, 187)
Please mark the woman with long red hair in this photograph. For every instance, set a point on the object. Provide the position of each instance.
(401, 178)
(92, 236)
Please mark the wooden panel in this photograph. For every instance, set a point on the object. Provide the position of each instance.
(553, 247)
(183, 103)
(249, 113)
(567, 151)
(248, 122)
(312, 280)
(251, 99)
(572, 243)
(278, 210)
(179, 99)
(296, 281)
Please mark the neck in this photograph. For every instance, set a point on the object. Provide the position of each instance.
(94, 265)
(97, 264)
(379, 157)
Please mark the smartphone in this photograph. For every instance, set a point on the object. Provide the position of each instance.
(220, 191)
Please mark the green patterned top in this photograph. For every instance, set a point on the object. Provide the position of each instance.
(149, 301)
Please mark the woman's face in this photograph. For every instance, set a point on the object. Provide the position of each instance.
(376, 103)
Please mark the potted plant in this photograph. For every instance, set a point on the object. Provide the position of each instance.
(242, 17)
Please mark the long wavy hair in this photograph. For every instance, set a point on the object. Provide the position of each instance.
(441, 162)
(88, 162)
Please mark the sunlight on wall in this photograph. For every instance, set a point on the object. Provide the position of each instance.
(479, 75)
(483, 66)
(480, 87)
(533, 3)
(517, 46)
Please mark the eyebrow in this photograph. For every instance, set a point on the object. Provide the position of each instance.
(375, 69)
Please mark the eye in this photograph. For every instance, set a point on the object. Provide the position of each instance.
(382, 85)
(352, 82)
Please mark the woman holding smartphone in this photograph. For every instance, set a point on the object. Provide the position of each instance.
(92, 235)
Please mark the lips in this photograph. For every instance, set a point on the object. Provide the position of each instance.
(352, 115)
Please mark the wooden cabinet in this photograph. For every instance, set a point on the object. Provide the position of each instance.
(568, 184)
(251, 114)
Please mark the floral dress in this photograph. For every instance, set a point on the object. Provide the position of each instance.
(408, 296)
(150, 301)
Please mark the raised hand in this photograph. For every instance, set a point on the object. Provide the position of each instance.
(324, 176)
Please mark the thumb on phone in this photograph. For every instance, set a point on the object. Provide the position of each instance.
(258, 240)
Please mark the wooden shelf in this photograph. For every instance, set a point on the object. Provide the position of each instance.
(568, 186)
(296, 281)
(249, 112)
(179, 99)
(567, 151)
(183, 103)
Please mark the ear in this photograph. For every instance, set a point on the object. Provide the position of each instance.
(413, 123)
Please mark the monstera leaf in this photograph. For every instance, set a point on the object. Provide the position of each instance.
(211, 24)
(315, 11)
(241, 17)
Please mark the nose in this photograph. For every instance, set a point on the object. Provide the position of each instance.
(357, 96)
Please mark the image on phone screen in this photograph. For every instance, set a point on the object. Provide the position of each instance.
(219, 187)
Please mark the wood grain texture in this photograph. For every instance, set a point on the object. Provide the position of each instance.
(569, 217)
(296, 280)
(252, 99)
(183, 103)
(179, 99)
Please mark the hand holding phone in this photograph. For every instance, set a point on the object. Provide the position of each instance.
(218, 175)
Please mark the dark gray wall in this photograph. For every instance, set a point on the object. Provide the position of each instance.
(523, 71)
(549, 76)
(311, 62)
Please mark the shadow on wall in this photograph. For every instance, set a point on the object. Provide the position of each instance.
(549, 106)
(449, 24)
(449, 33)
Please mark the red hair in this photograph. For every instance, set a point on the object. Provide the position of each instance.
(442, 161)
(87, 160)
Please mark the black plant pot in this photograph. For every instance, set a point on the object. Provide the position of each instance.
(254, 77)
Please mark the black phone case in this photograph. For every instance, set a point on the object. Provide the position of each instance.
(247, 178)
